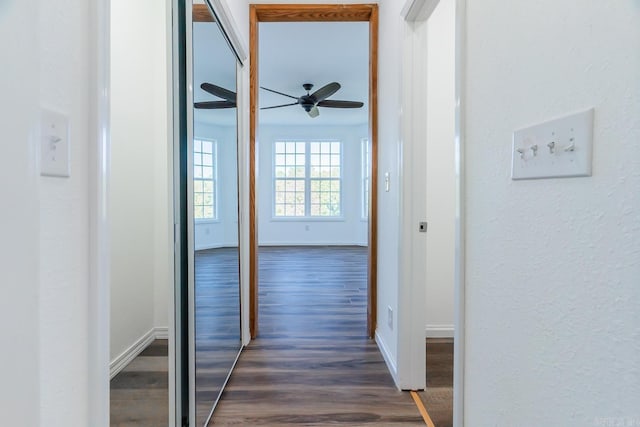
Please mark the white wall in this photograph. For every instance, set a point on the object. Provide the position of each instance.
(389, 90)
(45, 221)
(440, 170)
(349, 230)
(65, 66)
(553, 266)
(139, 196)
(20, 321)
(222, 232)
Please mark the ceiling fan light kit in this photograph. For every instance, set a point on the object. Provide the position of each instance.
(311, 101)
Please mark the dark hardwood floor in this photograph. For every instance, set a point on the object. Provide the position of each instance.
(438, 396)
(217, 327)
(140, 392)
(312, 364)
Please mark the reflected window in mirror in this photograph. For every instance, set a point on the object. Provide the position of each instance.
(205, 172)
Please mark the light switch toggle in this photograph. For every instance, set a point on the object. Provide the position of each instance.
(552, 147)
(521, 151)
(54, 145)
(534, 149)
(54, 140)
(571, 147)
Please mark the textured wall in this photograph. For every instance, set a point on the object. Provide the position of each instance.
(64, 66)
(19, 216)
(553, 266)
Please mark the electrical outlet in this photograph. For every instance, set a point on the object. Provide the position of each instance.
(390, 317)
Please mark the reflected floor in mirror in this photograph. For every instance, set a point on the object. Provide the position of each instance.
(312, 363)
(140, 392)
(217, 324)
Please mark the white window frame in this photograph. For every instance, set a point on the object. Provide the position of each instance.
(296, 178)
(307, 180)
(365, 161)
(213, 180)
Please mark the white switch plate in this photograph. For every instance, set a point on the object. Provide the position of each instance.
(559, 148)
(54, 144)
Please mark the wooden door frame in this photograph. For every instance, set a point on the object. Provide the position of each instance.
(315, 13)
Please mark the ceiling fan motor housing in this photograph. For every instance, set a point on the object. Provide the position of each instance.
(307, 102)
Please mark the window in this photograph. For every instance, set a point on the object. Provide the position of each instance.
(290, 178)
(307, 179)
(205, 165)
(365, 177)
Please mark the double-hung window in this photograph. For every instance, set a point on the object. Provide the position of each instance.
(205, 171)
(307, 179)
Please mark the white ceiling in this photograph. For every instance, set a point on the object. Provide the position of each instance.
(290, 54)
(313, 52)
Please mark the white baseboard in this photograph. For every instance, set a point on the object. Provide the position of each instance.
(162, 332)
(310, 243)
(216, 246)
(127, 356)
(391, 364)
(439, 331)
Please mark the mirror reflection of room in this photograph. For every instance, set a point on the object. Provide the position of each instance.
(215, 216)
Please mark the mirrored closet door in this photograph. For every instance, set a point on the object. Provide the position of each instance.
(214, 269)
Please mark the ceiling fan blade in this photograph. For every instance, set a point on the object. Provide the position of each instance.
(218, 91)
(325, 91)
(340, 104)
(314, 112)
(279, 93)
(278, 106)
(214, 105)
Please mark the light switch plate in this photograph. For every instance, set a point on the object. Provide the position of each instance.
(559, 148)
(54, 144)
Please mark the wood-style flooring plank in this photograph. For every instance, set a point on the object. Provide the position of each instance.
(140, 392)
(438, 396)
(312, 363)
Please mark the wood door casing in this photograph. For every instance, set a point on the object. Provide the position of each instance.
(314, 13)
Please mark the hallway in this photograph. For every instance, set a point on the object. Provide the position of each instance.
(312, 363)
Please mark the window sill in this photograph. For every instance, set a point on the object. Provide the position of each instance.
(307, 219)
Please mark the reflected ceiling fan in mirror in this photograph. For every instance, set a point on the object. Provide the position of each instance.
(311, 101)
(228, 96)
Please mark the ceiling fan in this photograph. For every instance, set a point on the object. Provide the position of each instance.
(228, 96)
(311, 101)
